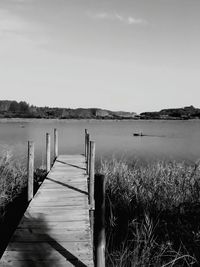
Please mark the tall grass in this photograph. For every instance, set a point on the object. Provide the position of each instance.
(152, 213)
(13, 179)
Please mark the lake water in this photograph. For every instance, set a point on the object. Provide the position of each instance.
(179, 140)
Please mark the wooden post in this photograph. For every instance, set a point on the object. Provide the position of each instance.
(48, 153)
(55, 144)
(91, 173)
(86, 132)
(100, 240)
(88, 153)
(91, 186)
(30, 170)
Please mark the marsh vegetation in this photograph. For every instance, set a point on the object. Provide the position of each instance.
(152, 213)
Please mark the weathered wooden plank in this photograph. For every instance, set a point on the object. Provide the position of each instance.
(62, 262)
(58, 191)
(71, 171)
(58, 217)
(44, 229)
(46, 252)
(77, 247)
(76, 158)
(59, 176)
(67, 188)
(71, 174)
(73, 202)
(83, 224)
(71, 199)
(63, 188)
(65, 209)
(62, 184)
(45, 202)
(64, 180)
(32, 263)
(64, 195)
(55, 179)
(29, 235)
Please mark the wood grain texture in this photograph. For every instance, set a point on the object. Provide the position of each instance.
(55, 229)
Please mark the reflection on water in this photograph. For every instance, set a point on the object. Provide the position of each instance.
(170, 140)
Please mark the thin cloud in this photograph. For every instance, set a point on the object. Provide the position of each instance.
(20, 1)
(15, 28)
(117, 17)
(10, 22)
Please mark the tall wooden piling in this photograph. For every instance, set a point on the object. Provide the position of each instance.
(30, 170)
(55, 144)
(88, 153)
(91, 173)
(86, 132)
(100, 239)
(91, 185)
(48, 152)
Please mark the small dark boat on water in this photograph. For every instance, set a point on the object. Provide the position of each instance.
(150, 135)
(138, 134)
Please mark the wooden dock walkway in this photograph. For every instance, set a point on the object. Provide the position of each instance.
(55, 229)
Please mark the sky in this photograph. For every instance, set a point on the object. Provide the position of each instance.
(131, 55)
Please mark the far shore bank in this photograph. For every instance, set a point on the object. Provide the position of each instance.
(85, 119)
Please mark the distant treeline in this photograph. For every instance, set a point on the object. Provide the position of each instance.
(185, 113)
(14, 109)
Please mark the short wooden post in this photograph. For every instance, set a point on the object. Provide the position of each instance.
(30, 170)
(55, 144)
(48, 153)
(88, 153)
(100, 240)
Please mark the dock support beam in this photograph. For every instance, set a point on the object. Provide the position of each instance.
(48, 152)
(30, 170)
(100, 239)
(55, 144)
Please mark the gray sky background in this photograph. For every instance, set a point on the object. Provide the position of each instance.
(134, 55)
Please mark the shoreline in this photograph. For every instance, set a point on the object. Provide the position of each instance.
(85, 119)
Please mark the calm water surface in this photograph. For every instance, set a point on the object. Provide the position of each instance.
(179, 140)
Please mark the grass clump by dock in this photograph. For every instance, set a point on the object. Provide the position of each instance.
(13, 179)
(152, 214)
(13, 184)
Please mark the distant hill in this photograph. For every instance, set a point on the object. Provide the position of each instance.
(14, 109)
(173, 114)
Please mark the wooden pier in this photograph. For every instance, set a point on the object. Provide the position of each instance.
(57, 227)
